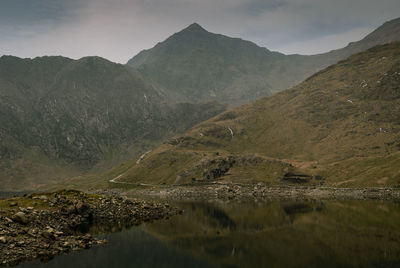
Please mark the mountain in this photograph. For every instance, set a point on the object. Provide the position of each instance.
(389, 32)
(340, 127)
(196, 65)
(61, 117)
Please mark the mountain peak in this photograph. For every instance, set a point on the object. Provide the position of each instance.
(194, 27)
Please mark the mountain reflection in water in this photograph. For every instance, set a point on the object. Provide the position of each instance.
(255, 234)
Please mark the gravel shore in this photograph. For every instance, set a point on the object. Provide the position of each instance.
(219, 190)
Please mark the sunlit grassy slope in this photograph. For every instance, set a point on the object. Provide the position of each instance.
(340, 127)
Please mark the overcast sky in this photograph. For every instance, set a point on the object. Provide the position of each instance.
(119, 29)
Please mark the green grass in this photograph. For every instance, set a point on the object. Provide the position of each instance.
(35, 201)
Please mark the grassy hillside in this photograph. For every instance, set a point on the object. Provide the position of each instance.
(60, 117)
(341, 127)
(196, 65)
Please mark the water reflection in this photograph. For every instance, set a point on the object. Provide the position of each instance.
(129, 248)
(212, 215)
(256, 234)
(13, 194)
(287, 234)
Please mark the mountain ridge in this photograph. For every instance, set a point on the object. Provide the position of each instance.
(62, 117)
(208, 66)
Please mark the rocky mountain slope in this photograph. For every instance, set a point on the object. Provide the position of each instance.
(340, 127)
(196, 65)
(60, 117)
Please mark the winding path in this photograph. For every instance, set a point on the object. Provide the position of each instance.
(114, 180)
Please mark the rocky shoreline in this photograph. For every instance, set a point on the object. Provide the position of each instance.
(221, 190)
(41, 226)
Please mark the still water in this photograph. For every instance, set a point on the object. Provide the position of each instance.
(12, 194)
(254, 234)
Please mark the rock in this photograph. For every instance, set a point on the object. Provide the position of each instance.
(101, 242)
(81, 207)
(128, 202)
(41, 197)
(68, 210)
(13, 204)
(20, 217)
(3, 240)
(49, 234)
(33, 232)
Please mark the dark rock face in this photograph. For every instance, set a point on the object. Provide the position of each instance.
(215, 166)
(300, 178)
(219, 167)
(81, 112)
(296, 178)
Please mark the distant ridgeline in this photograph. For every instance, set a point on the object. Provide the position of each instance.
(196, 65)
(60, 117)
(340, 127)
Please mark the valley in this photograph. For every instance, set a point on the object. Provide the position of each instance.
(73, 121)
(206, 151)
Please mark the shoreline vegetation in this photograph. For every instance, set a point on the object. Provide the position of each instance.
(43, 225)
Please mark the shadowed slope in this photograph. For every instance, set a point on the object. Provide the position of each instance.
(60, 117)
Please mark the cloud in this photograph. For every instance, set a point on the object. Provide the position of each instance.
(118, 29)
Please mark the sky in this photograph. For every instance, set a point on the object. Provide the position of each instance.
(119, 29)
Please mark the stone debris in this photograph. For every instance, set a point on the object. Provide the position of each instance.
(220, 190)
(42, 233)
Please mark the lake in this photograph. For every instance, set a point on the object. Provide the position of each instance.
(254, 234)
(12, 194)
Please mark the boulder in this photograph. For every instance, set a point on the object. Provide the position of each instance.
(49, 233)
(81, 207)
(13, 204)
(3, 240)
(20, 217)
